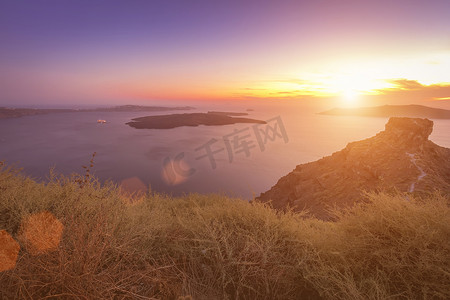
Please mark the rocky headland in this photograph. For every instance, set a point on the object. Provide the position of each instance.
(399, 158)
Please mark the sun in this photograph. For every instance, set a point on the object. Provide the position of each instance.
(349, 97)
(348, 89)
(351, 87)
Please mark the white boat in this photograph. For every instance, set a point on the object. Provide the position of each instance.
(101, 121)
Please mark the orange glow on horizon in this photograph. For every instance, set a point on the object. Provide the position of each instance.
(348, 83)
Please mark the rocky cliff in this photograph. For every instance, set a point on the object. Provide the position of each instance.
(399, 158)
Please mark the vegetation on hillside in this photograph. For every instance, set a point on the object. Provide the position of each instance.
(213, 247)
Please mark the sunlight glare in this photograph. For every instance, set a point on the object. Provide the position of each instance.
(350, 98)
(349, 88)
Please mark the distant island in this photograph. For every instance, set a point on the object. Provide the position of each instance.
(412, 111)
(192, 119)
(6, 112)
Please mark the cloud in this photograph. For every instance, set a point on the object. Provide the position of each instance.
(400, 91)
(294, 81)
(296, 92)
(405, 91)
(405, 84)
(413, 87)
(253, 89)
(275, 95)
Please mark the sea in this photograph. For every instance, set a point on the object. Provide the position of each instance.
(239, 160)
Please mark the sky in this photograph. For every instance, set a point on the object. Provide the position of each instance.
(347, 52)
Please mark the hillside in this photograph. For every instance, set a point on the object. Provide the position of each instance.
(72, 238)
(413, 111)
(399, 158)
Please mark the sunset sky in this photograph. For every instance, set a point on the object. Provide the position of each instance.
(351, 52)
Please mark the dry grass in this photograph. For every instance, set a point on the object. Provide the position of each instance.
(391, 247)
(213, 247)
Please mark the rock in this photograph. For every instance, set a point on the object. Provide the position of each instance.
(408, 130)
(399, 158)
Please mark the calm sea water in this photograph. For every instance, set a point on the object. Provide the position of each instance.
(241, 165)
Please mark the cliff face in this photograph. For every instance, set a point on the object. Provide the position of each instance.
(401, 157)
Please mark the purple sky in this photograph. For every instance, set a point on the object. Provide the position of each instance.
(80, 52)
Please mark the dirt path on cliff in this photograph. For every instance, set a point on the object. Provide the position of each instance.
(422, 172)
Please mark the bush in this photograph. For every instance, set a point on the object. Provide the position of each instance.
(391, 246)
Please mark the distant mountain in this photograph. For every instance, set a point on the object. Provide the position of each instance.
(131, 108)
(21, 112)
(399, 158)
(227, 113)
(413, 111)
